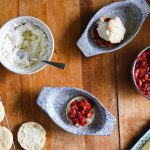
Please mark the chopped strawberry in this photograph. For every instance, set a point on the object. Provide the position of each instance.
(108, 44)
(94, 31)
(85, 107)
(139, 82)
(81, 103)
(79, 111)
(74, 111)
(83, 121)
(75, 121)
(89, 115)
(142, 72)
(136, 73)
(74, 107)
(70, 115)
(107, 19)
(74, 103)
(100, 43)
(83, 112)
(88, 105)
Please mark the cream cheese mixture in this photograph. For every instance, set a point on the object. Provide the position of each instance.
(25, 37)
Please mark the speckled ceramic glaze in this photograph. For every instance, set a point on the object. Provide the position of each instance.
(132, 13)
(54, 102)
(142, 141)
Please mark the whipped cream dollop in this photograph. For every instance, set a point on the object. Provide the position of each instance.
(112, 30)
(25, 37)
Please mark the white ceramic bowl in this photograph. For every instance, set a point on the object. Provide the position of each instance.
(14, 22)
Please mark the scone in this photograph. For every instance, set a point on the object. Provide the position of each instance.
(2, 111)
(31, 136)
(6, 138)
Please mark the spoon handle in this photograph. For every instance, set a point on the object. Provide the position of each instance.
(56, 64)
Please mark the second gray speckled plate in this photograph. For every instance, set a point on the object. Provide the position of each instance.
(142, 141)
(132, 13)
(54, 102)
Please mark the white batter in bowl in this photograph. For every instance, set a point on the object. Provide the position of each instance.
(26, 34)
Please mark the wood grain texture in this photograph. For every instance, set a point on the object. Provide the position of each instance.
(10, 83)
(99, 78)
(65, 28)
(107, 76)
(134, 110)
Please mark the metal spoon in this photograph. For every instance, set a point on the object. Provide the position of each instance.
(22, 54)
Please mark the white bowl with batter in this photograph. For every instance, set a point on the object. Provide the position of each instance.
(26, 34)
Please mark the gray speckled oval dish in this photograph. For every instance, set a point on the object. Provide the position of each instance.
(54, 100)
(142, 141)
(131, 12)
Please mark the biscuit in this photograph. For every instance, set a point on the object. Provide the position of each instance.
(2, 111)
(31, 136)
(6, 138)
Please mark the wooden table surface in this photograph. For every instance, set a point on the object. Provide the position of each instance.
(106, 76)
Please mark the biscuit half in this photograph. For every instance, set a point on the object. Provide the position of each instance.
(31, 136)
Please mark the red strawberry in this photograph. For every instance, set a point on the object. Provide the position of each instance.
(74, 107)
(88, 105)
(74, 104)
(75, 121)
(82, 103)
(108, 44)
(80, 108)
(79, 115)
(74, 111)
(80, 111)
(70, 115)
(100, 43)
(89, 115)
(139, 82)
(94, 31)
(83, 121)
(136, 73)
(107, 19)
(83, 112)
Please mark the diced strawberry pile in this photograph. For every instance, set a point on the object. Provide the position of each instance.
(142, 73)
(99, 41)
(80, 111)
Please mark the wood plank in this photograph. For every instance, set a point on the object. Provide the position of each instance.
(32, 84)
(134, 112)
(99, 78)
(63, 19)
(10, 83)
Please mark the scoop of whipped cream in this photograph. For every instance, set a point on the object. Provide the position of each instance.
(112, 30)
